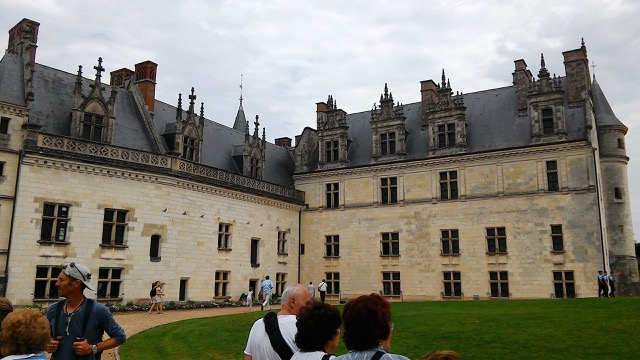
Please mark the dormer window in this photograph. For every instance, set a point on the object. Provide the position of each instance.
(388, 143)
(190, 149)
(255, 167)
(332, 151)
(547, 121)
(446, 135)
(93, 127)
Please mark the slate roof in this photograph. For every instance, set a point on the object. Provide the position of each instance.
(604, 113)
(53, 102)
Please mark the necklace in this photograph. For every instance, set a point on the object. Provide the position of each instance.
(69, 316)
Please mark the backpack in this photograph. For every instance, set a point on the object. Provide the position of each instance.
(152, 293)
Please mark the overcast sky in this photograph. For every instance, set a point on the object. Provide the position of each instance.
(294, 53)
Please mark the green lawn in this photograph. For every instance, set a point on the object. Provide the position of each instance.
(512, 329)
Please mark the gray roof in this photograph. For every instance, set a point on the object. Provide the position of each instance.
(604, 113)
(492, 120)
(54, 100)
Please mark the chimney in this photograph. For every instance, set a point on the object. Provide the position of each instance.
(284, 142)
(576, 66)
(23, 39)
(321, 107)
(145, 78)
(118, 77)
(521, 79)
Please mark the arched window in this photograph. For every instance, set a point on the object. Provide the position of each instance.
(154, 248)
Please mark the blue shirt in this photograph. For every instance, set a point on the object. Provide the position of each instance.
(266, 286)
(100, 321)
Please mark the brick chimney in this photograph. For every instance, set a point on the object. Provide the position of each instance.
(521, 79)
(118, 77)
(23, 39)
(145, 78)
(576, 66)
(284, 142)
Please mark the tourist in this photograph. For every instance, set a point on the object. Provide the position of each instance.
(267, 288)
(312, 290)
(250, 298)
(612, 286)
(441, 355)
(318, 331)
(25, 335)
(322, 289)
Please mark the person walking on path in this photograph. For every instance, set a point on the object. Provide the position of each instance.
(159, 296)
(152, 295)
(250, 298)
(605, 284)
(267, 288)
(322, 288)
(600, 282)
(78, 323)
(612, 286)
(312, 290)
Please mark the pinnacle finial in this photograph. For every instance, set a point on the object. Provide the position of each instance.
(99, 68)
(180, 101)
(542, 64)
(443, 79)
(202, 109)
(192, 97)
(79, 70)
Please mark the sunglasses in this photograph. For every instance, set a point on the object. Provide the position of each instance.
(73, 265)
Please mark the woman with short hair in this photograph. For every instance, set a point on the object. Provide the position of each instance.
(25, 334)
(318, 331)
(367, 329)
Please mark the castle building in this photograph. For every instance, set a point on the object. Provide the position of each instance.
(514, 192)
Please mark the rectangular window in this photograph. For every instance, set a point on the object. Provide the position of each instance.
(109, 283)
(333, 283)
(496, 240)
(92, 127)
(332, 192)
(448, 185)
(389, 190)
(281, 283)
(221, 283)
(450, 242)
(388, 143)
(254, 252)
(255, 167)
(331, 150)
(552, 176)
(4, 125)
(55, 218)
(557, 240)
(620, 143)
(1, 168)
(391, 283)
(563, 284)
(390, 244)
(618, 193)
(452, 281)
(332, 245)
(46, 278)
(446, 135)
(282, 243)
(114, 227)
(224, 236)
(189, 149)
(499, 283)
(547, 121)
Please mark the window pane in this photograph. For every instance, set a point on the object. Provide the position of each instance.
(504, 289)
(122, 216)
(558, 290)
(103, 273)
(457, 289)
(494, 290)
(447, 275)
(47, 228)
(40, 290)
(106, 234)
(457, 276)
(108, 215)
(115, 290)
(568, 276)
(571, 291)
(42, 272)
(504, 275)
(48, 210)
(557, 276)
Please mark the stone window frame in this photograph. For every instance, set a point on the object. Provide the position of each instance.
(222, 280)
(621, 144)
(564, 284)
(332, 195)
(496, 240)
(57, 221)
(331, 150)
(557, 239)
(391, 283)
(618, 194)
(225, 236)
(154, 242)
(389, 190)
(333, 282)
(281, 283)
(4, 125)
(108, 277)
(449, 242)
(89, 121)
(332, 246)
(388, 143)
(47, 280)
(553, 178)
(547, 121)
(117, 228)
(445, 135)
(190, 148)
(499, 284)
(452, 284)
(390, 244)
(282, 243)
(449, 189)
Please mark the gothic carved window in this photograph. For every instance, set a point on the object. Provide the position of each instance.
(388, 143)
(93, 127)
(190, 149)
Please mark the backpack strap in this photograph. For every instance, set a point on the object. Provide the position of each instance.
(377, 355)
(87, 312)
(275, 336)
(58, 313)
(326, 357)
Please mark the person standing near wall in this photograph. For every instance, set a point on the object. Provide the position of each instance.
(267, 288)
(312, 290)
(322, 288)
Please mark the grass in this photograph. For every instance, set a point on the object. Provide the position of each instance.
(517, 329)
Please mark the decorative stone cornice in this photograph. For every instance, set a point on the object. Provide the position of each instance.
(165, 165)
(454, 160)
(13, 110)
